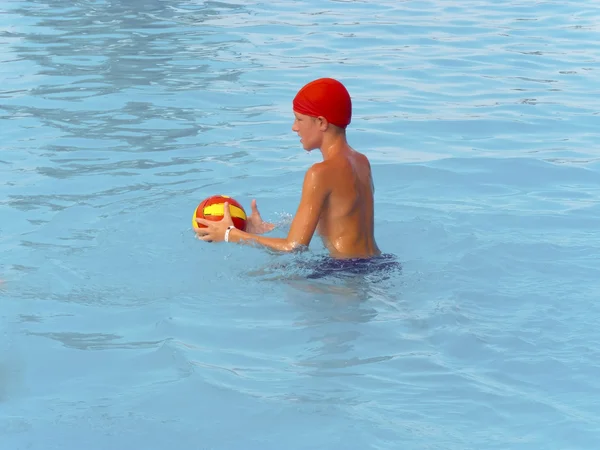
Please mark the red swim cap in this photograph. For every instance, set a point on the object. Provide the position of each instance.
(325, 97)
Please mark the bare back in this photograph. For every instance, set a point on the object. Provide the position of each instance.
(346, 224)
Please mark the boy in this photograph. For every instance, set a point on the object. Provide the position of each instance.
(337, 193)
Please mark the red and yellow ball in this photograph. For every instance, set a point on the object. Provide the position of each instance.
(212, 208)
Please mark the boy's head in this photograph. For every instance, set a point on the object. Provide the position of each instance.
(326, 98)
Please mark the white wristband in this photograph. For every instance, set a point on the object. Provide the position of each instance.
(229, 228)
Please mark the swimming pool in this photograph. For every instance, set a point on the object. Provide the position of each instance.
(121, 330)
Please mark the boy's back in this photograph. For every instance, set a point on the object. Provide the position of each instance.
(347, 220)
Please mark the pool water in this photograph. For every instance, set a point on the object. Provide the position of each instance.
(120, 329)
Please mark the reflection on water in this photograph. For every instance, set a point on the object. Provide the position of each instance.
(335, 309)
(95, 341)
(121, 114)
(94, 70)
(11, 377)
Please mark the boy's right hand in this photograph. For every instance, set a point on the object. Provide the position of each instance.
(255, 224)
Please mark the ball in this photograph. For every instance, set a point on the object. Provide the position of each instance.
(212, 208)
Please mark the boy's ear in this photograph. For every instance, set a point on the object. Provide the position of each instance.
(323, 123)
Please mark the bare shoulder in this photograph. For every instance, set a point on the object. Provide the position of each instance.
(365, 165)
(316, 181)
(317, 174)
(321, 170)
(362, 158)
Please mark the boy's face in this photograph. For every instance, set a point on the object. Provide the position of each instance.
(308, 129)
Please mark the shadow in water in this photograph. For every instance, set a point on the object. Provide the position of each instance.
(337, 305)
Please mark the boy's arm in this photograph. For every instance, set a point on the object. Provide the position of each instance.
(278, 244)
(314, 195)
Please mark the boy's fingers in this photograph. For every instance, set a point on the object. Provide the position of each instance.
(226, 211)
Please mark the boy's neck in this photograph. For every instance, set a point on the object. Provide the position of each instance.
(333, 144)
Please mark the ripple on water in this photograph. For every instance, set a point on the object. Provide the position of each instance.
(121, 329)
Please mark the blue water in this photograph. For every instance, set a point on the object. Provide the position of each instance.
(120, 330)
